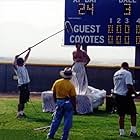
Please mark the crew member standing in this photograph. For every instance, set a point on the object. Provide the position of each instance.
(65, 98)
(23, 81)
(123, 89)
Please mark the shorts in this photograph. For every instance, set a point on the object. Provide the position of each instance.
(125, 105)
(24, 94)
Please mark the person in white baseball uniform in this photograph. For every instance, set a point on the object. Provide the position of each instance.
(23, 81)
(123, 90)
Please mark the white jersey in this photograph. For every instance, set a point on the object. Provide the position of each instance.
(22, 73)
(121, 79)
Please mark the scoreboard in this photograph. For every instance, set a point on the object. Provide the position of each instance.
(103, 22)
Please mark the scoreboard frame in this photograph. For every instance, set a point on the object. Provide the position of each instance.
(103, 23)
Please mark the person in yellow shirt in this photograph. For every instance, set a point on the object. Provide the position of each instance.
(64, 95)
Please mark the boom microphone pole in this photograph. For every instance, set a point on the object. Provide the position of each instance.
(68, 28)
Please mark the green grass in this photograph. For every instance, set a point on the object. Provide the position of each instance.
(96, 126)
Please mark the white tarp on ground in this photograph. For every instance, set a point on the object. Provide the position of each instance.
(85, 103)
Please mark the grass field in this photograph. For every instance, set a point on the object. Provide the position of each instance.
(96, 126)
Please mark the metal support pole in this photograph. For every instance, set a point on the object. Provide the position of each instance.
(137, 70)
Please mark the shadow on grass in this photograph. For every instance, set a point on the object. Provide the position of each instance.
(37, 119)
(100, 113)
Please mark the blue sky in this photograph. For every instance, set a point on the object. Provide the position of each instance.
(23, 23)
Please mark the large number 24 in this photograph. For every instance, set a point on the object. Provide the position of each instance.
(85, 7)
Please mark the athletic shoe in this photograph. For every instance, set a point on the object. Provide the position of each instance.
(122, 135)
(19, 116)
(133, 135)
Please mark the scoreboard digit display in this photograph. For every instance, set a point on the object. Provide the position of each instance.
(103, 22)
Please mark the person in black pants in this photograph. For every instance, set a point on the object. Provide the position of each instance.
(123, 90)
(23, 81)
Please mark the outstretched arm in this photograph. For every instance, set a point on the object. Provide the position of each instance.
(27, 55)
(15, 62)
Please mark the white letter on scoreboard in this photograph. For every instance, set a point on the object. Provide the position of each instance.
(76, 1)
